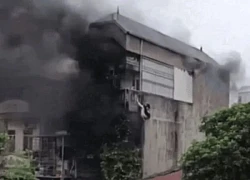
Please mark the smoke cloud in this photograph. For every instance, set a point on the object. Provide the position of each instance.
(179, 31)
(43, 46)
(38, 58)
(233, 63)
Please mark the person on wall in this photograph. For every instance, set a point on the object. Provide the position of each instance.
(145, 110)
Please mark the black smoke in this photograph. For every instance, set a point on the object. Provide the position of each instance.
(233, 63)
(49, 59)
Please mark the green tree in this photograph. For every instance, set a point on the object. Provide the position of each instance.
(225, 153)
(121, 160)
(14, 166)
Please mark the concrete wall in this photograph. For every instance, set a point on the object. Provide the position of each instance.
(159, 139)
(18, 126)
(160, 153)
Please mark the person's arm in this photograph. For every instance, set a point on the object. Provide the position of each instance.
(139, 104)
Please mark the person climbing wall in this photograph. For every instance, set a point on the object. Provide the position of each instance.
(145, 110)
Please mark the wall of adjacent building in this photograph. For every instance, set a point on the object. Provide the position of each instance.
(18, 125)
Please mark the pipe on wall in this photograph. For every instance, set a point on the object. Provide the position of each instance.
(141, 63)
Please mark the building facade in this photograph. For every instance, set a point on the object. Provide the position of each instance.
(181, 83)
(244, 94)
(30, 106)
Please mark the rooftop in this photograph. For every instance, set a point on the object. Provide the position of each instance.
(142, 31)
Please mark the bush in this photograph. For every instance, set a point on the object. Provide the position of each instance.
(225, 153)
(15, 166)
(19, 167)
(119, 163)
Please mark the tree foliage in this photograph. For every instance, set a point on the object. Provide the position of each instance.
(225, 153)
(119, 163)
(121, 160)
(14, 166)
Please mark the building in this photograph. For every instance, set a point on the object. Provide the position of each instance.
(28, 106)
(181, 83)
(30, 111)
(244, 94)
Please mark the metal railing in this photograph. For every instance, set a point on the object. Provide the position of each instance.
(128, 97)
(47, 153)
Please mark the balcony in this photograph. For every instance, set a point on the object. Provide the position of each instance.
(132, 64)
(128, 98)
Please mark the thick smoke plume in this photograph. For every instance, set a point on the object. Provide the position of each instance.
(43, 46)
(233, 63)
(179, 31)
(38, 58)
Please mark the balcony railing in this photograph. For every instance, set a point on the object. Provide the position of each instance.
(47, 155)
(128, 97)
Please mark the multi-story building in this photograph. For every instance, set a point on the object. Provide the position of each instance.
(181, 83)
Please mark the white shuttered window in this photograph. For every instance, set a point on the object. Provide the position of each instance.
(157, 78)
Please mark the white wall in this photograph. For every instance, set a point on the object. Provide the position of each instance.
(244, 94)
(18, 126)
(245, 97)
(183, 86)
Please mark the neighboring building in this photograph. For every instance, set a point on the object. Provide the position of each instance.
(28, 106)
(181, 83)
(244, 94)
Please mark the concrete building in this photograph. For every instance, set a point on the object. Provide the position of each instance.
(29, 105)
(181, 83)
(244, 94)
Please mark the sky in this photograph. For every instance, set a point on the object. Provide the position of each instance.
(219, 26)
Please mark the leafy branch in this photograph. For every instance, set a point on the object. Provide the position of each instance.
(225, 153)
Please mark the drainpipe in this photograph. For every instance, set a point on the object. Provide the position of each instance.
(141, 63)
(143, 124)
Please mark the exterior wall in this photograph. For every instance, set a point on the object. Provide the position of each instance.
(183, 85)
(159, 138)
(160, 153)
(244, 94)
(18, 126)
(211, 93)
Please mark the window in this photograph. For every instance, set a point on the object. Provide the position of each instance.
(136, 82)
(183, 86)
(157, 78)
(12, 140)
(27, 139)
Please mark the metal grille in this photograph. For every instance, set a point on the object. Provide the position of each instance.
(48, 155)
